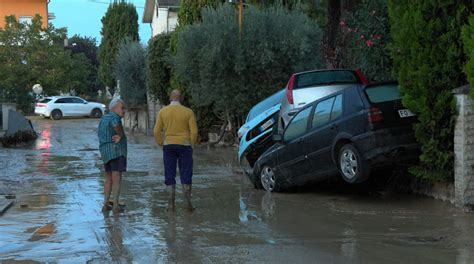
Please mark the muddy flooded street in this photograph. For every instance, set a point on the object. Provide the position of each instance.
(57, 214)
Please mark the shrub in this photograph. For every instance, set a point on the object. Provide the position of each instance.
(230, 73)
(159, 67)
(468, 39)
(130, 71)
(428, 59)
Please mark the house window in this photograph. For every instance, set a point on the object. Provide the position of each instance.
(25, 19)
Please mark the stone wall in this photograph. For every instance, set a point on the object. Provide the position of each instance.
(464, 149)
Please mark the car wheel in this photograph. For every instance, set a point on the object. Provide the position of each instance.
(96, 113)
(56, 114)
(353, 168)
(268, 179)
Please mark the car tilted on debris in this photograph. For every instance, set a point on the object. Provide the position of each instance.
(350, 132)
(57, 107)
(256, 134)
(306, 87)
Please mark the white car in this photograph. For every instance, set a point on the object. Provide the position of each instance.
(56, 107)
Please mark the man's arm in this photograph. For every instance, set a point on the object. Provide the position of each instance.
(158, 129)
(117, 125)
(193, 129)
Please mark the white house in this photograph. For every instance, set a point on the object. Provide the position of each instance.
(162, 15)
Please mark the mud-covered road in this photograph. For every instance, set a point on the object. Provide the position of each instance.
(58, 181)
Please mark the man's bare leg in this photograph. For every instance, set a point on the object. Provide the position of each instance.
(116, 182)
(107, 190)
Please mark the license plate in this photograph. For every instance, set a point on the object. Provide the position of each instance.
(405, 113)
(266, 125)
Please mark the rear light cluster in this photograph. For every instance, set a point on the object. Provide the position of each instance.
(375, 115)
(289, 89)
(41, 105)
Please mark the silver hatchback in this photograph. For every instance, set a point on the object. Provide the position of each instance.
(306, 87)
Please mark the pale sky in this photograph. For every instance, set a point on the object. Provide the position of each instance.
(83, 17)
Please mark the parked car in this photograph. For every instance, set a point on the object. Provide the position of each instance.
(306, 87)
(259, 108)
(351, 132)
(57, 107)
(256, 134)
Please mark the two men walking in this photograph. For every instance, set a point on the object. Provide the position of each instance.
(175, 131)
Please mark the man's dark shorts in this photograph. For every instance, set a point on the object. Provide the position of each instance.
(118, 164)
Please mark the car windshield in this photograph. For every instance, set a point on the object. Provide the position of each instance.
(325, 78)
(45, 100)
(383, 93)
(266, 104)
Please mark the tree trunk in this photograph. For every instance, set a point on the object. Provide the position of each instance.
(332, 29)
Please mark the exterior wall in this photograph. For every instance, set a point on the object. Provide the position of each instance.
(24, 8)
(464, 149)
(165, 22)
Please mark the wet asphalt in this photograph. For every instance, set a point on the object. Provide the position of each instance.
(58, 181)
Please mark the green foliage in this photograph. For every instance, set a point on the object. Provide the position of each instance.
(190, 10)
(119, 22)
(130, 71)
(427, 58)
(87, 47)
(31, 55)
(468, 39)
(231, 73)
(367, 34)
(159, 68)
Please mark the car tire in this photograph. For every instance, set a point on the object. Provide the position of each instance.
(352, 167)
(268, 179)
(56, 114)
(96, 113)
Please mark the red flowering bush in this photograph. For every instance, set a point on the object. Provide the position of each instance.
(365, 33)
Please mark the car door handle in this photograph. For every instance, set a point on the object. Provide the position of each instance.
(334, 127)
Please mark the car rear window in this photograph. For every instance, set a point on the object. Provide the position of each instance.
(325, 77)
(383, 93)
(45, 100)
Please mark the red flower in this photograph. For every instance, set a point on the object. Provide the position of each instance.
(378, 36)
(362, 37)
(369, 43)
(342, 23)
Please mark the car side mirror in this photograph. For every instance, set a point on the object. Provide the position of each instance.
(85, 102)
(277, 137)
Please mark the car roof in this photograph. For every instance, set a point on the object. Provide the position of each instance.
(61, 96)
(323, 70)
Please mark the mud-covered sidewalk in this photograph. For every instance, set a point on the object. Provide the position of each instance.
(57, 214)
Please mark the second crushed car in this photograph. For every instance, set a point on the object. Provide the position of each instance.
(348, 133)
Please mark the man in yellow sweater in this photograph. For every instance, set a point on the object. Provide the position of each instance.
(178, 124)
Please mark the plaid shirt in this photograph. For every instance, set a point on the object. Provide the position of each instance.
(110, 150)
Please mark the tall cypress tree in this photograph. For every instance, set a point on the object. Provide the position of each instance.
(119, 22)
(428, 59)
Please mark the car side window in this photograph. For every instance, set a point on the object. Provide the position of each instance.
(77, 101)
(297, 126)
(60, 101)
(322, 113)
(337, 108)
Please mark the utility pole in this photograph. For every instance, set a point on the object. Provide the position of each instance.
(241, 15)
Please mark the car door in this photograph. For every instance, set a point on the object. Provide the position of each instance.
(292, 159)
(64, 104)
(79, 107)
(323, 128)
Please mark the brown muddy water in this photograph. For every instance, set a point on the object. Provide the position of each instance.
(58, 186)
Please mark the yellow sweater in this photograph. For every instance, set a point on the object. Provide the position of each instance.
(178, 124)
